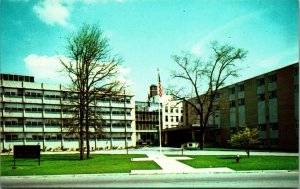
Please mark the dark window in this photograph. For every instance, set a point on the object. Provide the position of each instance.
(262, 127)
(296, 71)
(232, 104)
(241, 88)
(272, 78)
(232, 90)
(274, 141)
(261, 97)
(5, 77)
(260, 81)
(274, 126)
(11, 137)
(27, 79)
(272, 94)
(241, 101)
(167, 118)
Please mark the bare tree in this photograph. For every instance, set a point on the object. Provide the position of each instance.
(93, 73)
(205, 78)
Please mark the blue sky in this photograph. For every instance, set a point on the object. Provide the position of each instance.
(147, 32)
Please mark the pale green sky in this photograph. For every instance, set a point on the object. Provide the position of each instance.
(147, 32)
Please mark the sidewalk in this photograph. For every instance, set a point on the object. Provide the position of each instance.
(171, 165)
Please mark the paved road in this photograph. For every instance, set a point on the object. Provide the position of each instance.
(270, 179)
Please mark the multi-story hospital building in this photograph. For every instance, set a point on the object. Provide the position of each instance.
(35, 113)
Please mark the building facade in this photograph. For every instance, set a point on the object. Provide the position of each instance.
(269, 102)
(146, 120)
(36, 113)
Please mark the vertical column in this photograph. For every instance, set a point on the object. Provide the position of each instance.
(125, 114)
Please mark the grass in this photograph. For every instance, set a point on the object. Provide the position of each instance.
(60, 164)
(70, 164)
(252, 163)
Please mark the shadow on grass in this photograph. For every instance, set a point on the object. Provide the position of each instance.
(25, 165)
(60, 157)
(227, 158)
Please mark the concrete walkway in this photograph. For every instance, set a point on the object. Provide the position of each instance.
(171, 165)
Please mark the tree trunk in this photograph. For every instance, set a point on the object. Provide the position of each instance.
(87, 133)
(248, 152)
(81, 120)
(81, 143)
(202, 137)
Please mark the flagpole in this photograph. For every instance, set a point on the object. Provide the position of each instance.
(159, 120)
(159, 123)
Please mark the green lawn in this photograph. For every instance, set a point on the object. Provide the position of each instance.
(252, 163)
(70, 164)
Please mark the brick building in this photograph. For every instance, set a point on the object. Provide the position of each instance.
(269, 102)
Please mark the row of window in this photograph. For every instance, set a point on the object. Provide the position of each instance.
(273, 141)
(260, 97)
(146, 127)
(172, 110)
(273, 126)
(58, 110)
(57, 96)
(13, 137)
(173, 118)
(10, 77)
(58, 123)
(241, 102)
(261, 81)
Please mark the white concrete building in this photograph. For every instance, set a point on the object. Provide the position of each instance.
(171, 110)
(34, 113)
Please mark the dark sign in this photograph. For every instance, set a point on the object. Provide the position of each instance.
(27, 151)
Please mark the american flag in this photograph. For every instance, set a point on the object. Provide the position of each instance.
(159, 86)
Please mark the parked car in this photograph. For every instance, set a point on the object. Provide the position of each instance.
(191, 145)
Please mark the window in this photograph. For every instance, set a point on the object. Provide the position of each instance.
(172, 119)
(263, 141)
(232, 104)
(32, 94)
(296, 71)
(13, 109)
(11, 137)
(34, 110)
(241, 101)
(272, 94)
(261, 97)
(167, 118)
(241, 88)
(262, 127)
(274, 141)
(34, 123)
(260, 81)
(37, 137)
(166, 108)
(296, 88)
(232, 90)
(177, 119)
(274, 126)
(272, 78)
